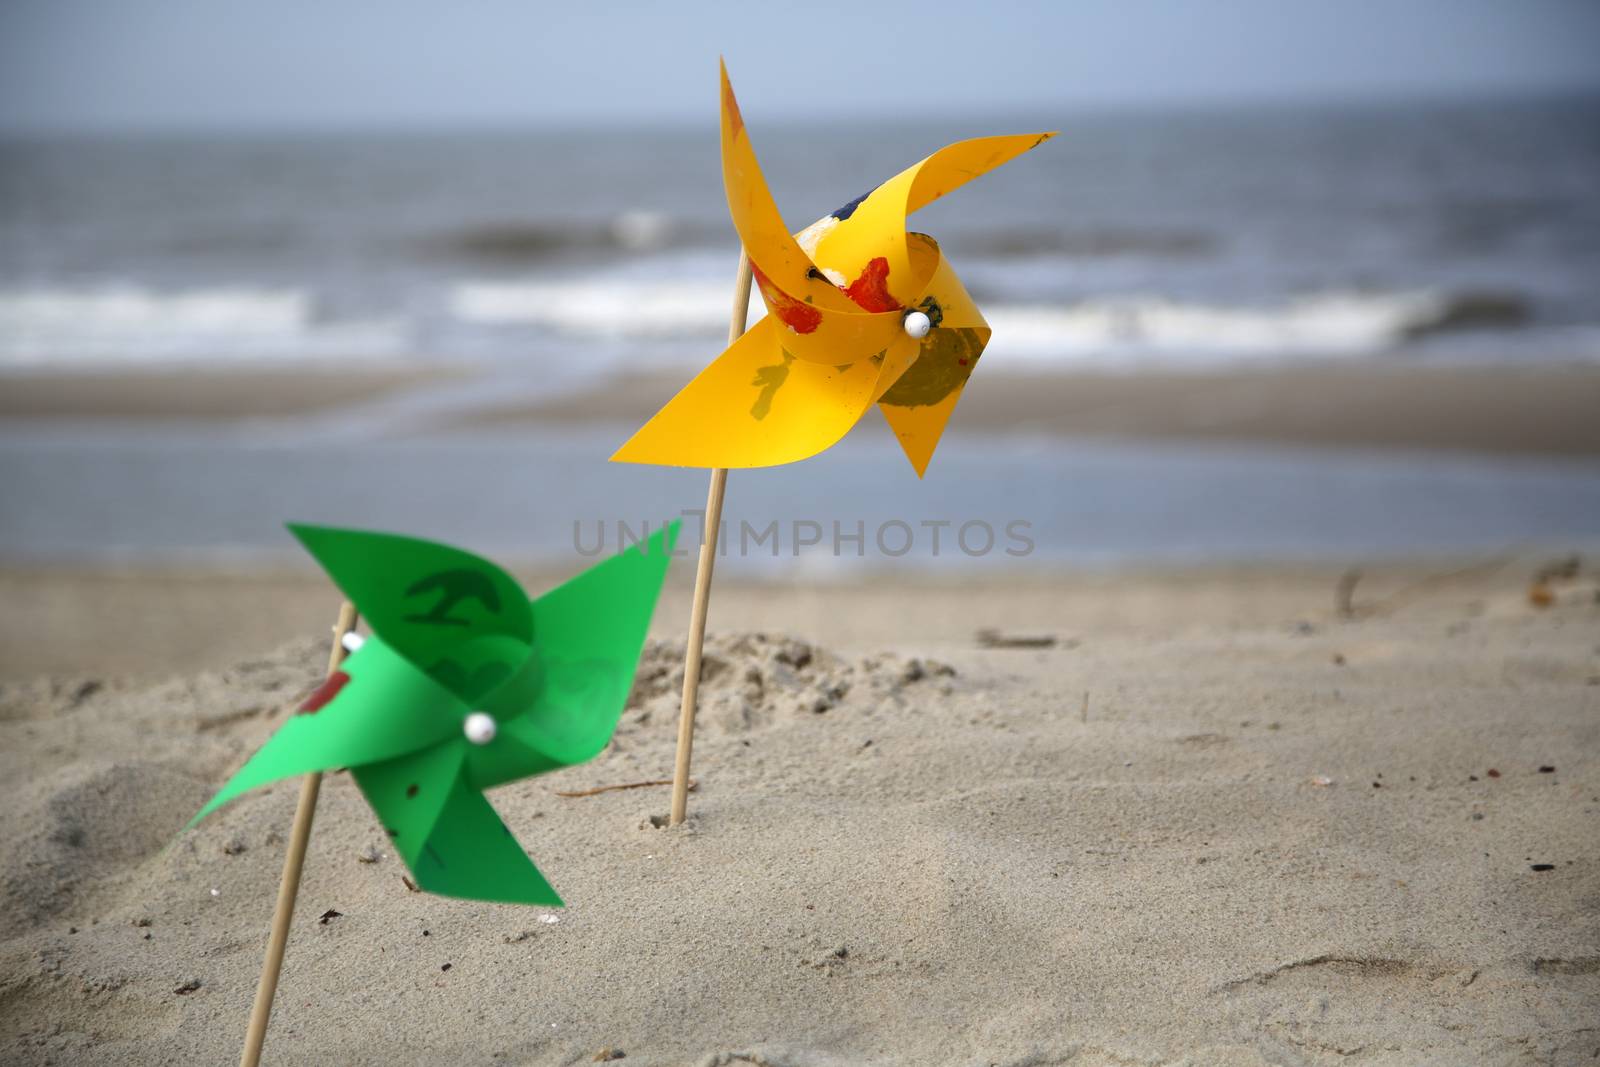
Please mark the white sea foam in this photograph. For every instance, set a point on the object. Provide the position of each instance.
(131, 323)
(1137, 327)
(607, 308)
(1331, 324)
(644, 318)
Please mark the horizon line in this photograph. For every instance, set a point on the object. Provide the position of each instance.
(1087, 108)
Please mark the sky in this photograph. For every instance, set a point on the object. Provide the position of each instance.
(139, 65)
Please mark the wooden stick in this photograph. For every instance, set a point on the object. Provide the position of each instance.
(702, 582)
(289, 887)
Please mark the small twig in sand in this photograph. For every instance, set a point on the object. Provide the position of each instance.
(1436, 581)
(1083, 714)
(996, 639)
(1560, 570)
(630, 785)
(1344, 594)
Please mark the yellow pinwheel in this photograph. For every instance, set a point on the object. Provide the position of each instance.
(861, 311)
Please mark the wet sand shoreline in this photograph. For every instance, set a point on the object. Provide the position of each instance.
(1544, 410)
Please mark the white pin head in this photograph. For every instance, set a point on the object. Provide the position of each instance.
(479, 728)
(917, 324)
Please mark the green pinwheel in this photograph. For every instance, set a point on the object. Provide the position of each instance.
(465, 684)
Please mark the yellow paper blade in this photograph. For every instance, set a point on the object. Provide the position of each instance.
(755, 406)
(823, 324)
(919, 404)
(957, 164)
(760, 225)
(944, 299)
(863, 246)
(897, 359)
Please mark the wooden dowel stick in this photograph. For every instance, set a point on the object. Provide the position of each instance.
(289, 887)
(702, 582)
(697, 636)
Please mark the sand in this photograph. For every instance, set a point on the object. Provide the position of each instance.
(1504, 409)
(1216, 823)
(203, 393)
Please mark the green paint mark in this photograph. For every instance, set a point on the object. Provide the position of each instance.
(770, 380)
(944, 366)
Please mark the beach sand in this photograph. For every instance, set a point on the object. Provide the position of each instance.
(1218, 822)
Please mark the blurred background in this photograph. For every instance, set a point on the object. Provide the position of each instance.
(1298, 280)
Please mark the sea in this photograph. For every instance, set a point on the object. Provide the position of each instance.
(1461, 233)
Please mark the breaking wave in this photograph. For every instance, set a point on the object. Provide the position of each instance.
(133, 324)
(531, 241)
(647, 317)
(1095, 243)
(1327, 323)
(609, 308)
(526, 242)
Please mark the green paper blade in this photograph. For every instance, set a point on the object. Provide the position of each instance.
(449, 836)
(591, 631)
(375, 707)
(407, 793)
(426, 600)
(506, 759)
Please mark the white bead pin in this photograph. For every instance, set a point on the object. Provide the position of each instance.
(479, 728)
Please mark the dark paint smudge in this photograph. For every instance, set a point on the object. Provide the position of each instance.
(453, 586)
(471, 686)
(944, 366)
(850, 208)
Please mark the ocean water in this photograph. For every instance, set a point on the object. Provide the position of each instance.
(1454, 234)
(221, 494)
(1460, 232)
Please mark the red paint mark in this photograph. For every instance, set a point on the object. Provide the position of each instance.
(795, 314)
(962, 362)
(730, 107)
(325, 692)
(871, 290)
